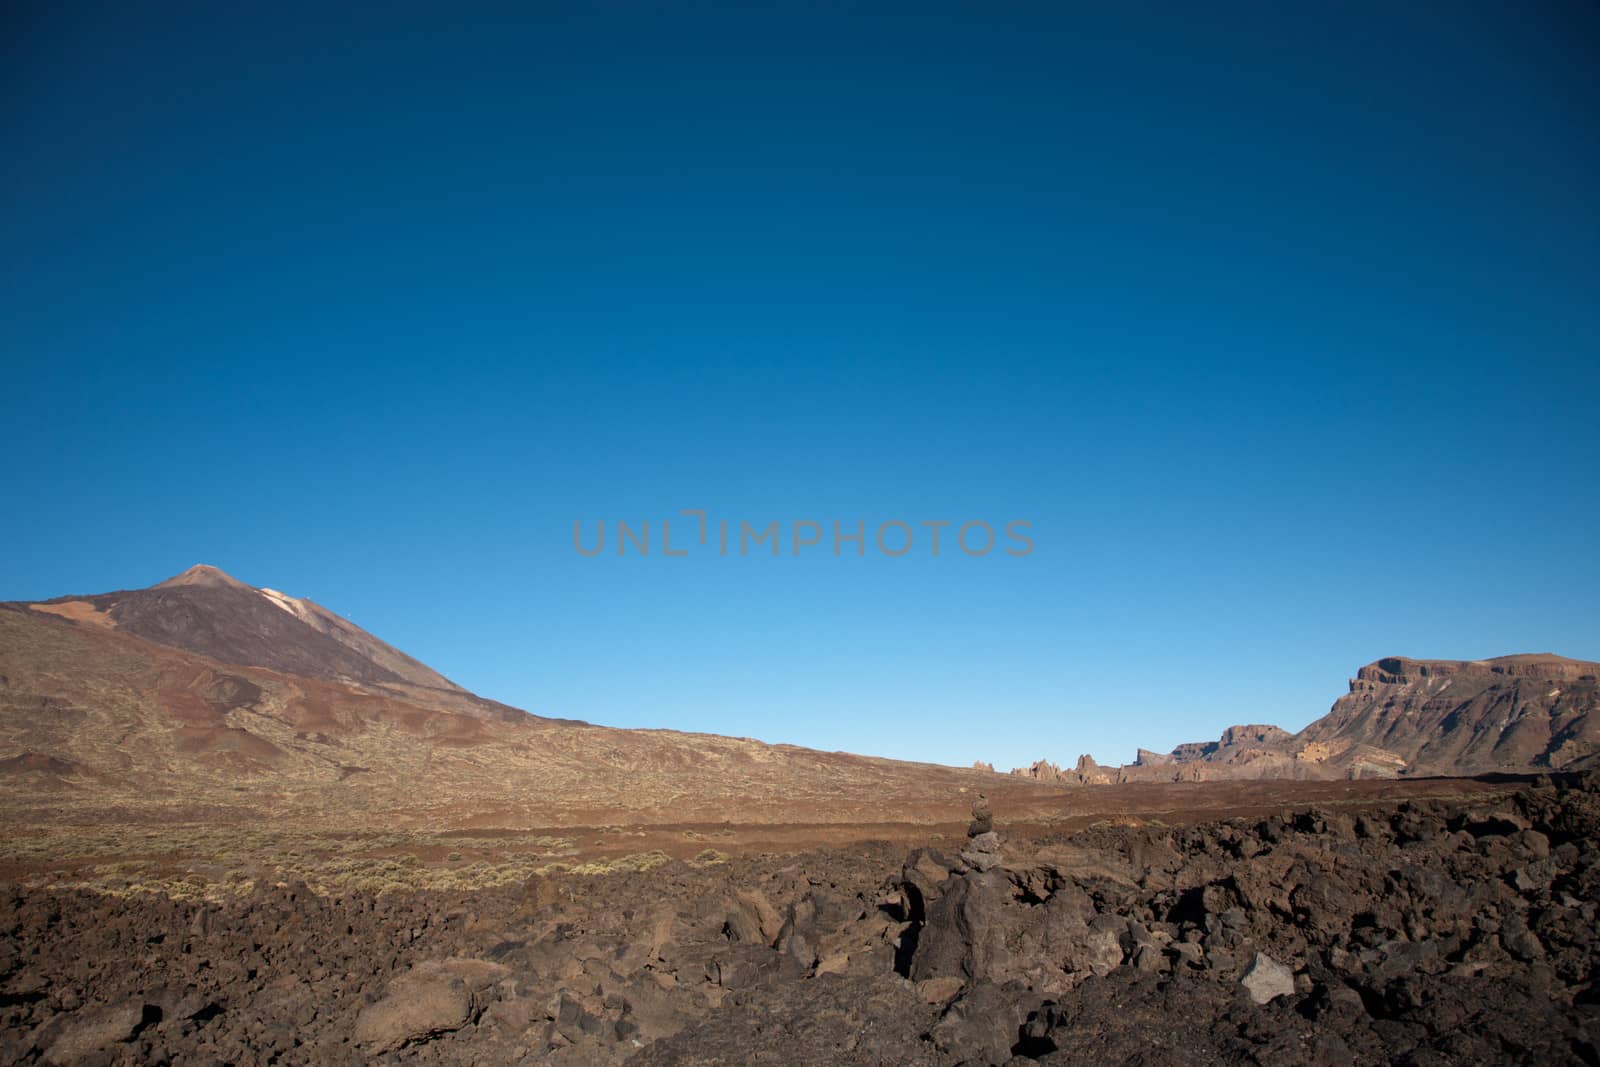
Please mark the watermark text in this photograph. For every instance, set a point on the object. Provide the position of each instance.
(700, 534)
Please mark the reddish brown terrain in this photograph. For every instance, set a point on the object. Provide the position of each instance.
(1401, 718)
(240, 829)
(202, 699)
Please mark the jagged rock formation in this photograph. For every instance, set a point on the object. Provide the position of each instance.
(1040, 771)
(1401, 717)
(1091, 773)
(1086, 772)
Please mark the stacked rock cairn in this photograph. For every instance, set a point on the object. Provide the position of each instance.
(983, 844)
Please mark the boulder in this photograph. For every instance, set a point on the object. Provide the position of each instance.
(93, 1029)
(964, 936)
(478, 975)
(982, 852)
(742, 925)
(939, 991)
(1102, 950)
(989, 841)
(923, 878)
(981, 861)
(981, 1026)
(1266, 979)
(766, 916)
(420, 1004)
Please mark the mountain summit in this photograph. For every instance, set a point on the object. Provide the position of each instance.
(208, 611)
(202, 574)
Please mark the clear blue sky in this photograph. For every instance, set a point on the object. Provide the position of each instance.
(1278, 322)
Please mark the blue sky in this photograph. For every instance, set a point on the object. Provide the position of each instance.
(1279, 324)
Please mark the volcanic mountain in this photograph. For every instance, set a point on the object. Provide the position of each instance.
(204, 697)
(1402, 716)
(206, 611)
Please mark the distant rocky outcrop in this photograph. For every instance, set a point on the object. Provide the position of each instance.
(1040, 771)
(1401, 717)
(1440, 716)
(1234, 740)
(1086, 772)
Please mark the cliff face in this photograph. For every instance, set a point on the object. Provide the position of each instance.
(1402, 717)
(1450, 717)
(1236, 742)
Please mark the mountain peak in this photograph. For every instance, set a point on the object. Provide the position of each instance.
(202, 574)
(208, 611)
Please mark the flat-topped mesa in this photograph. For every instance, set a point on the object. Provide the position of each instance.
(1234, 740)
(1190, 751)
(1512, 713)
(1253, 734)
(1402, 670)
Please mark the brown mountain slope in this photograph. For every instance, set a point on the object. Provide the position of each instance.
(98, 721)
(1406, 717)
(204, 610)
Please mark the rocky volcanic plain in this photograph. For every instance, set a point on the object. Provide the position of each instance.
(235, 828)
(1440, 930)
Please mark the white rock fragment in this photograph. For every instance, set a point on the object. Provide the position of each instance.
(1266, 979)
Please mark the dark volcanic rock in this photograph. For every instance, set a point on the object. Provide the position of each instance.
(96, 1029)
(962, 936)
(815, 1023)
(981, 1026)
(1424, 932)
